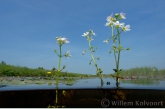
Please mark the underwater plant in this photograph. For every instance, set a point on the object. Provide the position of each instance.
(92, 49)
(113, 21)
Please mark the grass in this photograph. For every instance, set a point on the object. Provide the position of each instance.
(143, 71)
(10, 70)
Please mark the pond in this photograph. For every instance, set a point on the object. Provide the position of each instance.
(35, 83)
(39, 92)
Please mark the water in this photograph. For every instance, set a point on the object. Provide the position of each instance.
(87, 83)
(82, 93)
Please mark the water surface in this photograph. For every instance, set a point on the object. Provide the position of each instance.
(77, 83)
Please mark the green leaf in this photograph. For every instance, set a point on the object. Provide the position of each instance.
(114, 47)
(120, 48)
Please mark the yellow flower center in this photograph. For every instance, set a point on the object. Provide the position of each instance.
(123, 28)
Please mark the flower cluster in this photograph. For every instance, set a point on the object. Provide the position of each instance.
(89, 35)
(61, 40)
(114, 22)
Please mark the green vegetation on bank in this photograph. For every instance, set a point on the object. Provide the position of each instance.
(10, 70)
(143, 71)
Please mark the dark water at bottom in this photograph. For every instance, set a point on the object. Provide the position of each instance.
(89, 98)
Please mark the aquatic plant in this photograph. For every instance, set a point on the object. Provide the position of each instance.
(92, 49)
(115, 25)
(61, 41)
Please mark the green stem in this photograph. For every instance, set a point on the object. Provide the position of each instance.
(119, 49)
(59, 63)
(118, 54)
(56, 97)
(91, 54)
(114, 43)
(93, 59)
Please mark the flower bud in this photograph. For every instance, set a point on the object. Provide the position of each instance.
(67, 54)
(114, 47)
(115, 70)
(64, 67)
(116, 15)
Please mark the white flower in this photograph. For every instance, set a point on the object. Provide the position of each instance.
(85, 34)
(90, 33)
(126, 28)
(110, 18)
(110, 23)
(106, 41)
(122, 15)
(118, 24)
(65, 40)
(67, 54)
(62, 40)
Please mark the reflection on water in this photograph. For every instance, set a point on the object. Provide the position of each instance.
(87, 92)
(86, 83)
(3, 86)
(143, 81)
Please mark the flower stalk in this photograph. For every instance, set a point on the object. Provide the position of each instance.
(92, 49)
(60, 42)
(113, 23)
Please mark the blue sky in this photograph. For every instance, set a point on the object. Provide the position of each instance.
(28, 29)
